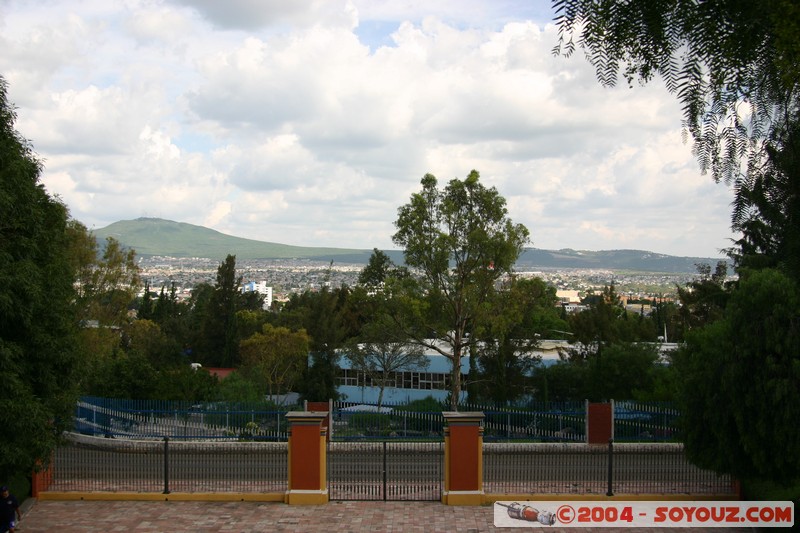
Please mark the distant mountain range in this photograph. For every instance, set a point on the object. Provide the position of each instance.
(158, 237)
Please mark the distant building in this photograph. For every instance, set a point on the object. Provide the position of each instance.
(570, 300)
(568, 296)
(261, 288)
(406, 385)
(416, 384)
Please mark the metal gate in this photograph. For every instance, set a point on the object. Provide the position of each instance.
(386, 471)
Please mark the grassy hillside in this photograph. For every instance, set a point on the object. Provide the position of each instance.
(633, 260)
(154, 236)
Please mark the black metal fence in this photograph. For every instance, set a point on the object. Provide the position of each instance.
(537, 422)
(364, 422)
(377, 453)
(571, 468)
(542, 422)
(645, 421)
(387, 470)
(98, 464)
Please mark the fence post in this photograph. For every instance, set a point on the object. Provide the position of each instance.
(610, 466)
(463, 458)
(384, 471)
(599, 423)
(166, 465)
(308, 483)
(321, 407)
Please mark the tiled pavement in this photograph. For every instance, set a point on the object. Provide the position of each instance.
(335, 517)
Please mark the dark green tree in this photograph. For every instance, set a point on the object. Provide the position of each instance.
(326, 317)
(199, 314)
(183, 383)
(734, 66)
(740, 378)
(39, 362)
(146, 338)
(524, 312)
(173, 316)
(564, 381)
(603, 323)
(123, 375)
(237, 388)
(459, 241)
(623, 372)
(275, 358)
(703, 300)
(667, 321)
(145, 310)
(377, 270)
(767, 208)
(214, 311)
(108, 283)
(222, 334)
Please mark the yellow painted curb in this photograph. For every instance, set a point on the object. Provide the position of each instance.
(491, 498)
(306, 497)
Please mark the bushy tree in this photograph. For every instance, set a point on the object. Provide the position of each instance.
(237, 388)
(739, 384)
(146, 338)
(524, 312)
(459, 241)
(767, 208)
(39, 363)
(106, 283)
(213, 328)
(113, 286)
(622, 373)
(378, 268)
(275, 359)
(220, 326)
(605, 322)
(328, 319)
(703, 300)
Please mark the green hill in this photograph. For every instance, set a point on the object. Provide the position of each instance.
(154, 236)
(631, 260)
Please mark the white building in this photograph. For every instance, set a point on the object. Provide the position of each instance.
(261, 288)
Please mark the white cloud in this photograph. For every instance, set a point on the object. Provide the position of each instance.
(312, 122)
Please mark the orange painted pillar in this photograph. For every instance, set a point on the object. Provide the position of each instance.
(308, 483)
(463, 459)
(41, 478)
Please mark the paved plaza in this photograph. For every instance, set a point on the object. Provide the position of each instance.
(251, 517)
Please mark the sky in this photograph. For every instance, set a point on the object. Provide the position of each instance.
(311, 122)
